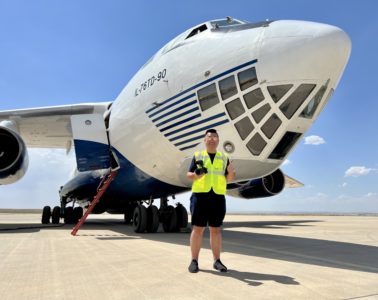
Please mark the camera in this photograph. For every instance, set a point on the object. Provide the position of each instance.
(200, 169)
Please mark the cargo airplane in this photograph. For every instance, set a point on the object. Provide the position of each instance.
(261, 85)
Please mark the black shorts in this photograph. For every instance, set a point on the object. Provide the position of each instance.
(208, 209)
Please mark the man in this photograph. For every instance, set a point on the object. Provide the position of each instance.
(210, 170)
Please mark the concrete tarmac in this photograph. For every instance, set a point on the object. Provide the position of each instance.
(268, 256)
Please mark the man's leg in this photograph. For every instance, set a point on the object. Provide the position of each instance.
(216, 241)
(196, 241)
(216, 246)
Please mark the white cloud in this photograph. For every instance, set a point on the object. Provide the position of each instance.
(286, 162)
(314, 140)
(357, 171)
(344, 184)
(321, 195)
(370, 194)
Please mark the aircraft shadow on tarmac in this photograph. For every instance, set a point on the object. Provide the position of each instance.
(318, 252)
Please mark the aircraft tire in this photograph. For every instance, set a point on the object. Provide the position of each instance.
(68, 215)
(77, 214)
(140, 219)
(55, 216)
(182, 217)
(152, 219)
(46, 214)
(170, 222)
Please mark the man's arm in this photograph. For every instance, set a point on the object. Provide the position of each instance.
(230, 172)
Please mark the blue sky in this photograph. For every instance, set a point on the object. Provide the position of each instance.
(66, 52)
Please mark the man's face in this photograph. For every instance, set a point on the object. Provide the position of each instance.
(211, 140)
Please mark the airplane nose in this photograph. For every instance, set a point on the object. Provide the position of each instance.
(299, 50)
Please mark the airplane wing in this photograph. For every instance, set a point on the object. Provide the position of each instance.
(49, 127)
(292, 183)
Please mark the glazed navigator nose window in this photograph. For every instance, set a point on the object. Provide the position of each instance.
(253, 98)
(235, 108)
(295, 100)
(208, 97)
(278, 91)
(260, 113)
(244, 127)
(311, 107)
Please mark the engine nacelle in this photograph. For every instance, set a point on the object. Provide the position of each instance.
(13, 155)
(266, 186)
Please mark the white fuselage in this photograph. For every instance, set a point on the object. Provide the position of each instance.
(157, 122)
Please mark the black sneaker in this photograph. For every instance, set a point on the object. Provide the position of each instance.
(193, 267)
(219, 266)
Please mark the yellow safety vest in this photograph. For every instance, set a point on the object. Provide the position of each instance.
(215, 177)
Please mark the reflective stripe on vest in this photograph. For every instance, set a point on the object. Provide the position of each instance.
(215, 178)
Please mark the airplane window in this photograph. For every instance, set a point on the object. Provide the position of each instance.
(285, 144)
(197, 30)
(208, 97)
(260, 113)
(278, 91)
(311, 107)
(256, 144)
(271, 126)
(227, 87)
(295, 100)
(244, 127)
(235, 108)
(247, 78)
(253, 98)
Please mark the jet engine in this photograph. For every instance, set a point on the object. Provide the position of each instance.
(266, 186)
(13, 156)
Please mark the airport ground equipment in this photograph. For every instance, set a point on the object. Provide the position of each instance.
(104, 184)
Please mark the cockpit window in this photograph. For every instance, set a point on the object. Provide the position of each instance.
(196, 31)
(208, 97)
(247, 78)
(225, 22)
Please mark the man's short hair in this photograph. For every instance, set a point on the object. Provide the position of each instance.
(211, 131)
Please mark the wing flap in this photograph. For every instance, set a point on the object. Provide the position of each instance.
(49, 127)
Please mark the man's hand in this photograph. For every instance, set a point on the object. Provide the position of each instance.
(230, 172)
(193, 176)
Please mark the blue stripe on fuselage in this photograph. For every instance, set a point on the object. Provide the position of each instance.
(203, 83)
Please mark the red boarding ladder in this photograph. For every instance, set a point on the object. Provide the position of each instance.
(103, 186)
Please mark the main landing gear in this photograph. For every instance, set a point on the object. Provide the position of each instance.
(69, 214)
(147, 219)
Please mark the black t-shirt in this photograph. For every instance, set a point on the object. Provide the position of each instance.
(193, 167)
